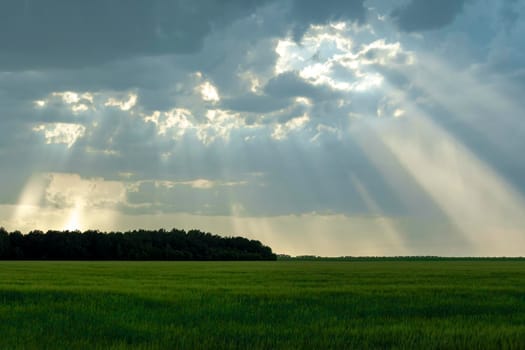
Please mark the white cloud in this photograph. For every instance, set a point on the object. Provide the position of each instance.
(325, 48)
(281, 131)
(202, 184)
(219, 125)
(209, 92)
(40, 103)
(61, 133)
(382, 53)
(178, 121)
(123, 105)
(76, 102)
(79, 108)
(252, 79)
(68, 97)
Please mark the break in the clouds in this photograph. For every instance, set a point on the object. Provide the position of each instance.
(335, 128)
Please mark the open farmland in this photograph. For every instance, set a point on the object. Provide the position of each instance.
(283, 304)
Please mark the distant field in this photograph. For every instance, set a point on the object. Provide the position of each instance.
(266, 305)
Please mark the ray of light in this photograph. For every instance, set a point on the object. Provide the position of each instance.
(392, 238)
(74, 221)
(479, 104)
(29, 201)
(78, 194)
(485, 208)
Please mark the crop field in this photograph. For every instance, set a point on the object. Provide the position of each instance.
(262, 305)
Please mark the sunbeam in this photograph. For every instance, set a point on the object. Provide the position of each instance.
(392, 238)
(74, 221)
(480, 104)
(486, 209)
(369, 127)
(29, 201)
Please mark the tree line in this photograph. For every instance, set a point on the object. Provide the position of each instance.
(131, 245)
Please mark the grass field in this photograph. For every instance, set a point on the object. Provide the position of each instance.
(266, 305)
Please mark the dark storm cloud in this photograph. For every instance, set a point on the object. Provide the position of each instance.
(255, 103)
(422, 15)
(63, 33)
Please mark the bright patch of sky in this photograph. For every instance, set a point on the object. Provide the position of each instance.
(61, 133)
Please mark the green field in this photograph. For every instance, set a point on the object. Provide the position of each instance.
(266, 305)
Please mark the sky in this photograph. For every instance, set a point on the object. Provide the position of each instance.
(355, 127)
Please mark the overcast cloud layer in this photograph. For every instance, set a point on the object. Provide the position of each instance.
(333, 128)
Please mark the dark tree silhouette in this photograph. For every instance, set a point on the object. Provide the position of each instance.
(133, 245)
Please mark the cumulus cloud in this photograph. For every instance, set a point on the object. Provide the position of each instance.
(61, 133)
